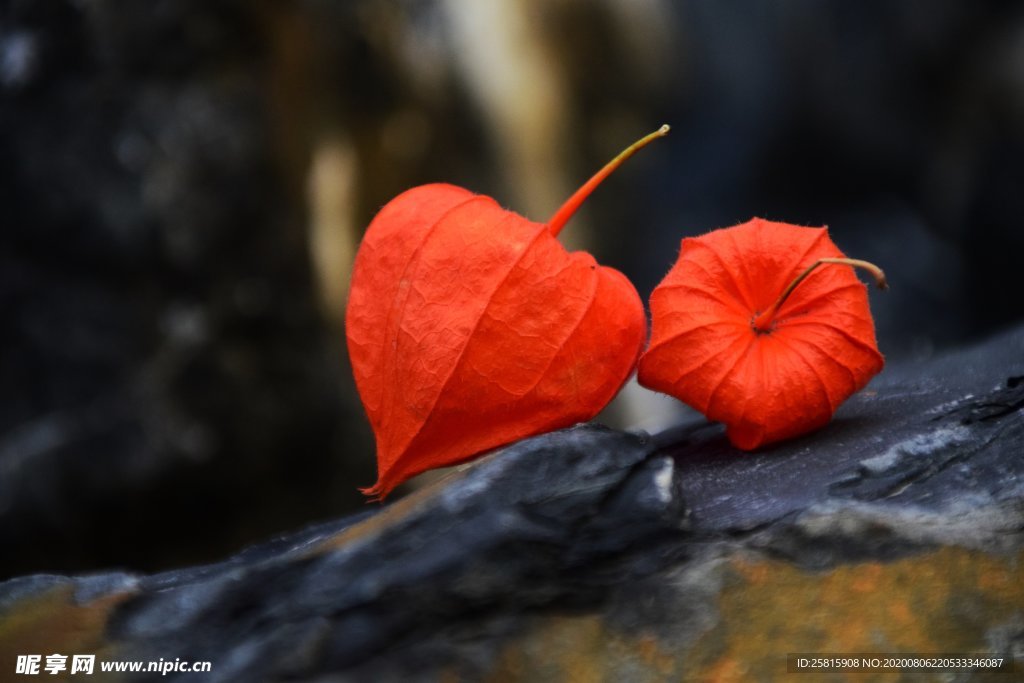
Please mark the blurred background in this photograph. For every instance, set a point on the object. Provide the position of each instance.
(183, 184)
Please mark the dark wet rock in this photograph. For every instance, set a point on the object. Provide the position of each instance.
(591, 554)
(918, 438)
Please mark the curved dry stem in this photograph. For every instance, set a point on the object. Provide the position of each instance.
(762, 323)
(566, 211)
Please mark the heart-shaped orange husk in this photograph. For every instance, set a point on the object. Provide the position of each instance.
(470, 327)
(732, 340)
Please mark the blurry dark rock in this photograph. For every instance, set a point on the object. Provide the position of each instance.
(592, 554)
(169, 386)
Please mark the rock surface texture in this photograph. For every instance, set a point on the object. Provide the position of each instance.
(590, 554)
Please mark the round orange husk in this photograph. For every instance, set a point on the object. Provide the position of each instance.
(764, 385)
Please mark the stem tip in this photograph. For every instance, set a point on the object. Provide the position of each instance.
(566, 211)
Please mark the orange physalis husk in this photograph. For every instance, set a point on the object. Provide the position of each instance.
(470, 327)
(764, 327)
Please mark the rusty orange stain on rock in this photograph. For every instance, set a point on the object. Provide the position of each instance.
(653, 655)
(867, 578)
(727, 670)
(583, 649)
(941, 601)
(901, 614)
(753, 573)
(54, 622)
